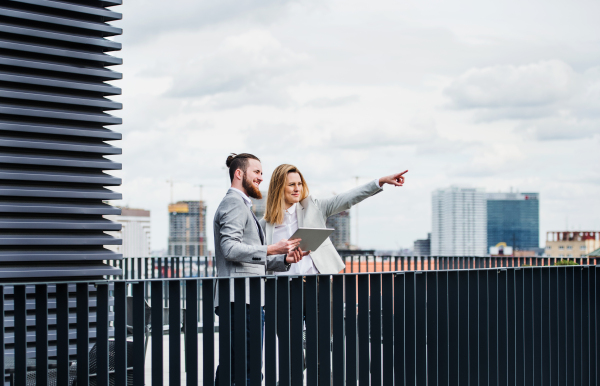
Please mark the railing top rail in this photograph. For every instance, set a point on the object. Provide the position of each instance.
(202, 278)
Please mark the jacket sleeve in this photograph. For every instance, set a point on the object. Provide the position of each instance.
(346, 200)
(232, 223)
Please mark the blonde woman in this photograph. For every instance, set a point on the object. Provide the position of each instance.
(289, 207)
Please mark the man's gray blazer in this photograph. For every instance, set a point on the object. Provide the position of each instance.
(239, 249)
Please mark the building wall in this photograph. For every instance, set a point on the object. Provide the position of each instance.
(571, 244)
(459, 222)
(341, 223)
(422, 247)
(187, 229)
(513, 218)
(135, 232)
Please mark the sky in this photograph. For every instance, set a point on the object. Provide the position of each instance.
(497, 95)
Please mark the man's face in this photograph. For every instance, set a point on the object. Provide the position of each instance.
(252, 179)
(293, 189)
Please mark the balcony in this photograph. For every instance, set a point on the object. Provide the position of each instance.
(429, 321)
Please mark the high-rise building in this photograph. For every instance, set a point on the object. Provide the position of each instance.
(341, 223)
(459, 224)
(513, 218)
(187, 228)
(422, 247)
(571, 243)
(135, 232)
(259, 206)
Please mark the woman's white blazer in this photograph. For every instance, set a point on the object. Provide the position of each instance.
(313, 213)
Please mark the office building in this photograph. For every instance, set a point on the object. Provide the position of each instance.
(135, 232)
(187, 228)
(571, 243)
(514, 219)
(422, 247)
(341, 223)
(459, 222)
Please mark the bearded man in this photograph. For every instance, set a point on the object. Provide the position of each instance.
(240, 247)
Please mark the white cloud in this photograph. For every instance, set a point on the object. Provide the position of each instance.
(520, 87)
(253, 68)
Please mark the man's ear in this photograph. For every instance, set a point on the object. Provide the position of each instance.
(238, 174)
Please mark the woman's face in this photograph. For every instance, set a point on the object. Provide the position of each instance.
(293, 189)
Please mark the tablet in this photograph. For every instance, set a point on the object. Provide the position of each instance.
(312, 238)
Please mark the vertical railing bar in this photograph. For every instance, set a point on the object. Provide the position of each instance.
(454, 322)
(312, 331)
(443, 321)
(483, 327)
(493, 325)
(585, 335)
(20, 335)
(296, 326)
(41, 334)
(375, 313)
(283, 331)
(271, 331)
(121, 354)
(156, 320)
(339, 367)
(102, 304)
(351, 332)
(175, 332)
(224, 368)
(191, 332)
(399, 335)
(208, 333)
(387, 327)
(139, 329)
(256, 330)
(364, 359)
(409, 328)
(421, 328)
(62, 334)
(432, 327)
(473, 329)
(83, 329)
(238, 323)
(324, 330)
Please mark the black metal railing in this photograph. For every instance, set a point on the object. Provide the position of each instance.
(494, 326)
(204, 266)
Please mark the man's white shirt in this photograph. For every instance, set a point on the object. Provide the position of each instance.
(285, 231)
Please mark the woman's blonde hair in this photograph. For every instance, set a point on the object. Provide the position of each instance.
(274, 212)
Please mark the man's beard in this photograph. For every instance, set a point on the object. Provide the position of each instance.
(251, 190)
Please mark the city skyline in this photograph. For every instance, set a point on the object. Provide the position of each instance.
(424, 86)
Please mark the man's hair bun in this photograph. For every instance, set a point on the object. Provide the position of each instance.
(238, 161)
(230, 159)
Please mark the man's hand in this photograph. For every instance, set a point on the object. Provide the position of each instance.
(283, 247)
(394, 179)
(295, 256)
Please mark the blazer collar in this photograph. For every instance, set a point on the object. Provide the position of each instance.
(300, 214)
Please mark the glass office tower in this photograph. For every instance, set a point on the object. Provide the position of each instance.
(513, 218)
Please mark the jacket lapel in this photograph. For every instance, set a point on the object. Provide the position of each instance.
(269, 232)
(300, 215)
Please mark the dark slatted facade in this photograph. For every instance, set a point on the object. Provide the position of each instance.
(55, 119)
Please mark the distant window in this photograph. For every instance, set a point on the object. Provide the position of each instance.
(561, 247)
(548, 247)
(561, 255)
(569, 255)
(582, 248)
(569, 247)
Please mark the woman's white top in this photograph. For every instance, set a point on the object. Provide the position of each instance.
(285, 231)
